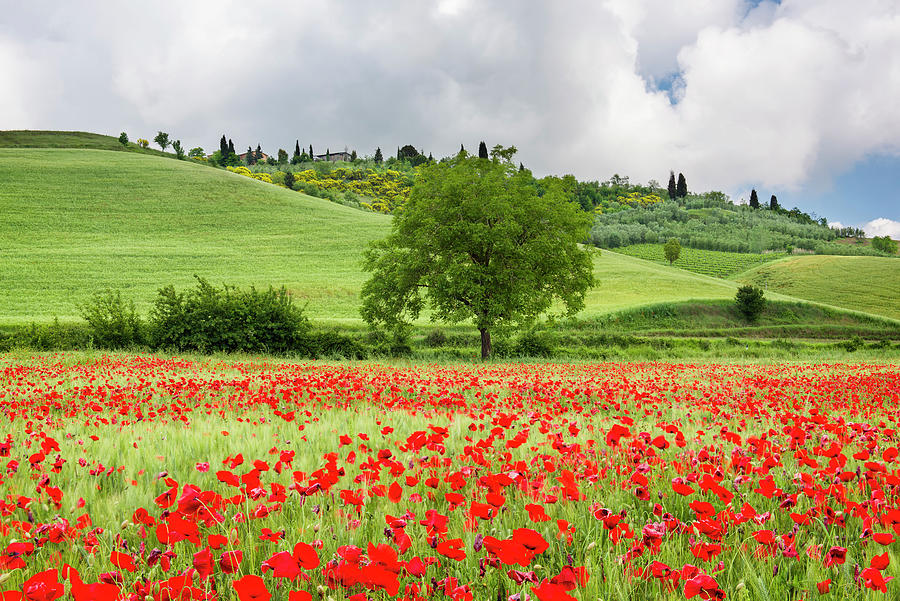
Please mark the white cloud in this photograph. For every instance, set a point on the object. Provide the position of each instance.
(882, 227)
(774, 96)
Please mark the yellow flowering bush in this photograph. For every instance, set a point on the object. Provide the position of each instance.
(636, 199)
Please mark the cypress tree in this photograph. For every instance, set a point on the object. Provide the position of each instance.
(754, 199)
(312, 157)
(249, 156)
(681, 190)
(327, 154)
(482, 150)
(258, 155)
(223, 146)
(297, 148)
(773, 203)
(378, 156)
(673, 190)
(521, 167)
(231, 147)
(462, 148)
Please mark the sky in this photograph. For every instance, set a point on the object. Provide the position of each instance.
(796, 98)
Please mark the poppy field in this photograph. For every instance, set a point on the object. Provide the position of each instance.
(147, 478)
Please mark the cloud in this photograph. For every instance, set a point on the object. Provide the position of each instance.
(775, 95)
(882, 227)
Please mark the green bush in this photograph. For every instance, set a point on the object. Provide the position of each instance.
(436, 338)
(750, 302)
(113, 321)
(334, 345)
(209, 319)
(534, 344)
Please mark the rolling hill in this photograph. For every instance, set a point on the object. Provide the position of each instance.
(77, 221)
(869, 284)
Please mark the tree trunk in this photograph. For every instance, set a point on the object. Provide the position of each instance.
(485, 343)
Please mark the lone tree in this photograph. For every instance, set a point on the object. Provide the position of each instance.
(295, 158)
(750, 302)
(681, 190)
(378, 156)
(482, 150)
(476, 241)
(289, 180)
(123, 139)
(773, 203)
(672, 189)
(179, 150)
(754, 199)
(672, 250)
(162, 138)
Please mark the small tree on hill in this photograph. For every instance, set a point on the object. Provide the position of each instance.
(295, 159)
(482, 150)
(231, 151)
(672, 250)
(162, 138)
(353, 156)
(673, 187)
(289, 180)
(750, 302)
(378, 156)
(282, 156)
(223, 146)
(249, 158)
(123, 139)
(773, 203)
(143, 142)
(257, 157)
(196, 152)
(884, 244)
(179, 151)
(681, 190)
(312, 157)
(754, 199)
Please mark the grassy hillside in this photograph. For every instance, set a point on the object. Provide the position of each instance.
(717, 263)
(79, 221)
(870, 284)
(70, 139)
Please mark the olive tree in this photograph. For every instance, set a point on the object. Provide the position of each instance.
(476, 241)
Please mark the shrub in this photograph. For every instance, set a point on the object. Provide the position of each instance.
(534, 344)
(123, 139)
(113, 321)
(334, 345)
(884, 244)
(750, 302)
(672, 250)
(208, 319)
(436, 338)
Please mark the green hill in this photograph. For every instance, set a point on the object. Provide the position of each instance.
(26, 138)
(78, 221)
(869, 284)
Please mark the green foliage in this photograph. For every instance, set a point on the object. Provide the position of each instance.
(532, 343)
(196, 153)
(884, 244)
(378, 156)
(162, 139)
(208, 319)
(282, 156)
(123, 139)
(288, 179)
(672, 188)
(754, 200)
(475, 241)
(681, 190)
(113, 321)
(435, 338)
(750, 302)
(179, 151)
(672, 250)
(712, 222)
(716, 263)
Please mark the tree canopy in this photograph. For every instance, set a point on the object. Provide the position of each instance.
(476, 241)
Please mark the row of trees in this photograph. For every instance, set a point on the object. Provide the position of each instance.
(679, 189)
(754, 201)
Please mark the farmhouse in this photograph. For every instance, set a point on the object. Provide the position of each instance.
(333, 156)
